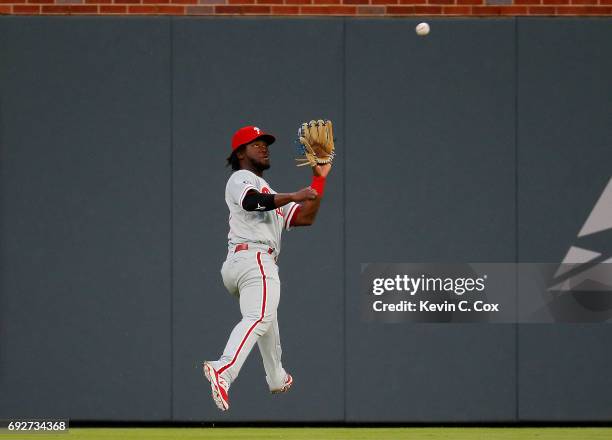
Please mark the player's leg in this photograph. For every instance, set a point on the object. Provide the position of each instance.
(259, 295)
(271, 351)
(219, 386)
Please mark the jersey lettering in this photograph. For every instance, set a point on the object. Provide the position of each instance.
(258, 227)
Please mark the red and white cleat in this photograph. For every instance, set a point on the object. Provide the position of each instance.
(218, 386)
(285, 387)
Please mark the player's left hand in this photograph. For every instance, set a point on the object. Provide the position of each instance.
(321, 169)
(317, 143)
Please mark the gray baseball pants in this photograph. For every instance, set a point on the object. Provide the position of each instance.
(252, 276)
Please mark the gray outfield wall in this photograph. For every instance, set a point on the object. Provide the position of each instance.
(493, 142)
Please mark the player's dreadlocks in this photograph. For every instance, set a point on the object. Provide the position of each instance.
(232, 160)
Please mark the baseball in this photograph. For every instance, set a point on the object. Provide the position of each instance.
(422, 29)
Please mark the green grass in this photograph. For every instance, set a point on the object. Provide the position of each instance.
(325, 434)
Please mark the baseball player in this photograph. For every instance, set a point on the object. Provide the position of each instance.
(258, 216)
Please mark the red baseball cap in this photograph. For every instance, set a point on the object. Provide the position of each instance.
(248, 134)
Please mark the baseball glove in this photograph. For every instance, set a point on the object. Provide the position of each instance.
(317, 143)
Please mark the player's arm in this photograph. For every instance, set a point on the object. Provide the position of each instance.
(256, 201)
(306, 213)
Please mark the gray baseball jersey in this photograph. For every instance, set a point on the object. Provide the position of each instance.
(257, 227)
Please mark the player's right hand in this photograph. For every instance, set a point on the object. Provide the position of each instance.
(305, 194)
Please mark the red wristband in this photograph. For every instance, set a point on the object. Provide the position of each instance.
(318, 184)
